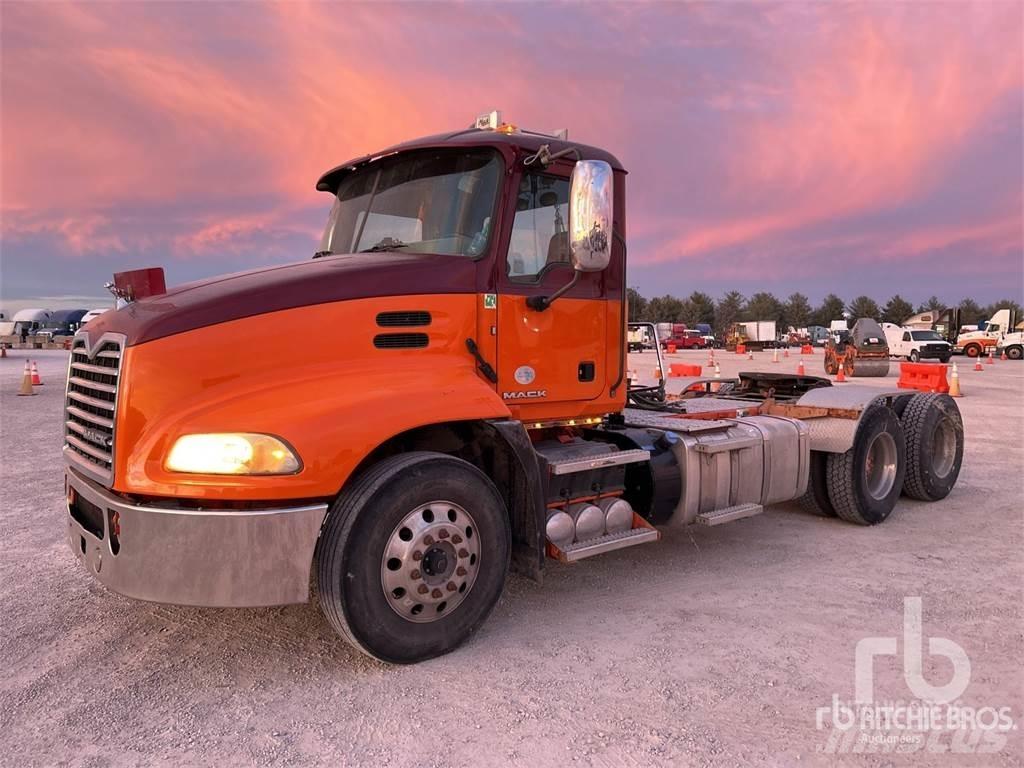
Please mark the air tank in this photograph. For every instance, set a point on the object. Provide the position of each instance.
(560, 528)
(618, 514)
(589, 521)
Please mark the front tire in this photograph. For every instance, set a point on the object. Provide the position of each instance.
(413, 556)
(865, 482)
(914, 356)
(972, 350)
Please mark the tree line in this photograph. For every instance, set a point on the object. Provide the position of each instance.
(794, 311)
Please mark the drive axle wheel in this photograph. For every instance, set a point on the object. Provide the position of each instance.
(865, 482)
(935, 445)
(413, 556)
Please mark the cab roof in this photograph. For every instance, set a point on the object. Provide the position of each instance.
(521, 142)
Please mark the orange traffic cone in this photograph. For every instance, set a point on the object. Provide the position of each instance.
(657, 373)
(977, 364)
(3, 350)
(775, 355)
(991, 357)
(718, 371)
(750, 355)
(26, 382)
(1003, 356)
(36, 381)
(800, 368)
(841, 375)
(954, 383)
(785, 352)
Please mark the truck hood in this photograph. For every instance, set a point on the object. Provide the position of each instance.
(272, 289)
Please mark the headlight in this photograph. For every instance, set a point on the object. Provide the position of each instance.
(233, 453)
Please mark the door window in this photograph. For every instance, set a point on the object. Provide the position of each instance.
(540, 231)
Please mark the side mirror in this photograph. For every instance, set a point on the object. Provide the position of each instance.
(590, 225)
(590, 215)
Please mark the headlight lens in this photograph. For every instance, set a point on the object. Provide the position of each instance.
(233, 453)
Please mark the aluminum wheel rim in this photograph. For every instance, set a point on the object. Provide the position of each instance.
(944, 448)
(880, 466)
(430, 562)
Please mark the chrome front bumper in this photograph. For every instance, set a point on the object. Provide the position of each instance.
(217, 558)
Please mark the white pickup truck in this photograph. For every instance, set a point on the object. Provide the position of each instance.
(916, 344)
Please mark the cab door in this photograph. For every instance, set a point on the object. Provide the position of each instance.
(551, 363)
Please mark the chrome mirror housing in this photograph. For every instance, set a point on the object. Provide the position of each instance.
(590, 215)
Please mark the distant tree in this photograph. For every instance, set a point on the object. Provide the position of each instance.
(663, 309)
(698, 308)
(934, 304)
(991, 309)
(797, 311)
(637, 304)
(832, 308)
(763, 306)
(728, 311)
(863, 306)
(971, 313)
(897, 310)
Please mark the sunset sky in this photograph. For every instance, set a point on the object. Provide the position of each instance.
(866, 148)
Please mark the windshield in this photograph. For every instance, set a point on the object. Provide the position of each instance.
(437, 201)
(925, 336)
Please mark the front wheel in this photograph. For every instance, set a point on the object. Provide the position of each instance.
(972, 350)
(413, 556)
(915, 356)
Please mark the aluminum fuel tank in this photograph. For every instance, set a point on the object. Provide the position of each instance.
(756, 459)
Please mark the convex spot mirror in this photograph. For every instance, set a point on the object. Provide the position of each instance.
(590, 215)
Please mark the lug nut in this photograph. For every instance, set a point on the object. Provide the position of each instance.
(443, 535)
(463, 552)
(415, 573)
(460, 571)
(423, 589)
(437, 593)
(456, 539)
(417, 555)
(450, 586)
(428, 540)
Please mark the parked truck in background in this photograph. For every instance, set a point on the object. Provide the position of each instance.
(916, 344)
(985, 340)
(1012, 344)
(471, 419)
(640, 338)
(755, 334)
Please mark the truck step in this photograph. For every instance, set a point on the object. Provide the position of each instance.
(569, 466)
(607, 543)
(728, 514)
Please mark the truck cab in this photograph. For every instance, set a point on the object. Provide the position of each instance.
(475, 417)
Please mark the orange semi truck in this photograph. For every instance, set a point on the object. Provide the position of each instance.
(475, 416)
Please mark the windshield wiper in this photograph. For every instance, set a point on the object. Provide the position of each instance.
(321, 254)
(387, 244)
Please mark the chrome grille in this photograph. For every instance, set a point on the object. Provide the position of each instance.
(91, 403)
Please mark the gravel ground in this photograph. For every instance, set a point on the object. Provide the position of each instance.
(714, 646)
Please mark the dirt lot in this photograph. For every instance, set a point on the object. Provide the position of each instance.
(714, 646)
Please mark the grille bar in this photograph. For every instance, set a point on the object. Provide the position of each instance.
(87, 448)
(97, 386)
(91, 404)
(78, 413)
(100, 369)
(94, 402)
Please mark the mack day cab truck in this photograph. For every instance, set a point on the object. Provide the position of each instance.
(475, 417)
